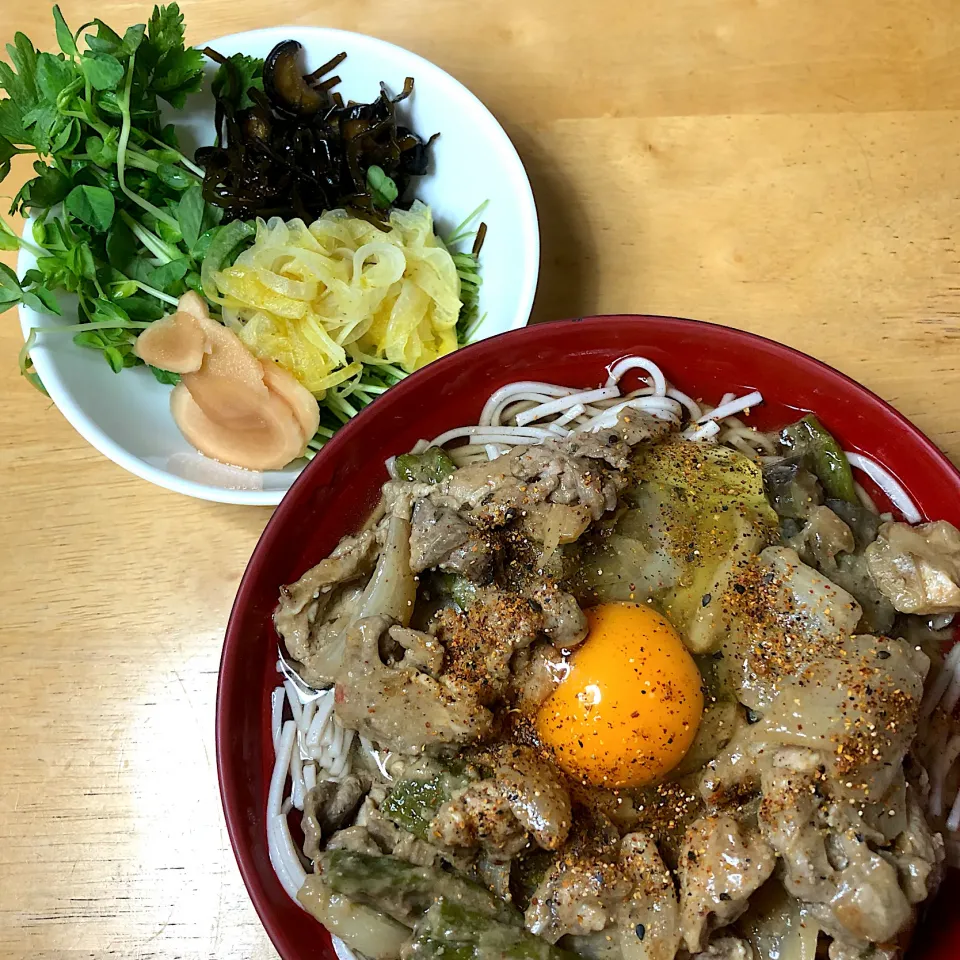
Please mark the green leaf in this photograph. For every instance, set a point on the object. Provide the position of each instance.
(106, 40)
(114, 357)
(121, 245)
(133, 38)
(166, 28)
(53, 74)
(199, 250)
(64, 34)
(382, 188)
(143, 307)
(165, 376)
(79, 260)
(94, 206)
(178, 74)
(8, 239)
(49, 188)
(122, 288)
(7, 152)
(10, 290)
(166, 275)
(223, 250)
(102, 70)
(174, 177)
(11, 124)
(103, 152)
(234, 79)
(47, 299)
(67, 139)
(190, 215)
(24, 58)
(168, 234)
(106, 311)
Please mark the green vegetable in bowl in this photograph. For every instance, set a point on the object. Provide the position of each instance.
(810, 440)
(120, 220)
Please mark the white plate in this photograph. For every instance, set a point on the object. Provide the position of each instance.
(126, 416)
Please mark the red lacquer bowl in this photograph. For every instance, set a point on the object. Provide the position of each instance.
(340, 486)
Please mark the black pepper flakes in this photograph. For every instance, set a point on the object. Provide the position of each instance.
(641, 931)
(705, 600)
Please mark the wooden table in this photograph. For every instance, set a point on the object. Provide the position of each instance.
(790, 168)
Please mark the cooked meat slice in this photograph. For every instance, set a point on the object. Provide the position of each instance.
(326, 808)
(480, 815)
(563, 620)
(402, 709)
(480, 642)
(537, 672)
(440, 537)
(917, 568)
(852, 891)
(790, 823)
(721, 864)
(918, 853)
(727, 948)
(495, 492)
(524, 797)
(823, 536)
(648, 922)
(421, 651)
(586, 886)
(613, 444)
(303, 604)
(536, 794)
(392, 590)
(357, 839)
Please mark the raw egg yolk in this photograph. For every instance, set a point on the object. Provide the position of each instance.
(628, 709)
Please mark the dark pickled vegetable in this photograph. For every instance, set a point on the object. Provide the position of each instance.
(793, 490)
(810, 441)
(288, 146)
(431, 466)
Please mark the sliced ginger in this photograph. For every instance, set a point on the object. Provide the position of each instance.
(228, 404)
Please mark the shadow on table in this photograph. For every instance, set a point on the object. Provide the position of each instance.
(568, 274)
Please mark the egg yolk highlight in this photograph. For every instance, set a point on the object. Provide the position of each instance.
(628, 709)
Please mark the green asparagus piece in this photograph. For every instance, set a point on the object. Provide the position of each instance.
(404, 891)
(447, 923)
(412, 804)
(808, 438)
(431, 466)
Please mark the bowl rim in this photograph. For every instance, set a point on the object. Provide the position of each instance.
(522, 192)
(228, 770)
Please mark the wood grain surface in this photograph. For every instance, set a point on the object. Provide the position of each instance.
(789, 168)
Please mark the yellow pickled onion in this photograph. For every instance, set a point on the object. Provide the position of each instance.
(321, 300)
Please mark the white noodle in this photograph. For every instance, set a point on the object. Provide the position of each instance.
(938, 776)
(952, 695)
(865, 498)
(704, 432)
(298, 788)
(939, 687)
(953, 821)
(571, 415)
(887, 483)
(324, 710)
(391, 464)
(277, 699)
(306, 717)
(283, 854)
(293, 698)
(521, 386)
(492, 450)
(618, 369)
(731, 407)
(309, 776)
(564, 403)
(511, 435)
(693, 408)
